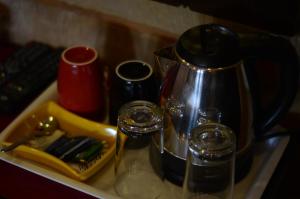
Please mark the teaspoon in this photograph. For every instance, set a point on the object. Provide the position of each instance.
(44, 128)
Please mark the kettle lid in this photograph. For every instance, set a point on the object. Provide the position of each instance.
(209, 45)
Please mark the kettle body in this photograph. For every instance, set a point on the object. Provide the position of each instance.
(197, 90)
(203, 72)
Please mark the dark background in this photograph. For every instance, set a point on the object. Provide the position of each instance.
(277, 16)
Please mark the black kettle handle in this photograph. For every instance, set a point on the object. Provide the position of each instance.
(280, 52)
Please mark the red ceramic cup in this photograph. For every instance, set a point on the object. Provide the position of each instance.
(79, 81)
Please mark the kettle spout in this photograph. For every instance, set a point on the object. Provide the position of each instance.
(166, 53)
(165, 59)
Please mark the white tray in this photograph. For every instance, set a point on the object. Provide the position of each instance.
(267, 156)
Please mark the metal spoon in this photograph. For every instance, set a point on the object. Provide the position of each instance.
(45, 128)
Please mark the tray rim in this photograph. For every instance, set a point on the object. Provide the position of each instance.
(252, 186)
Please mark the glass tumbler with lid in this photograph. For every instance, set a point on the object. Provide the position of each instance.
(210, 163)
(134, 178)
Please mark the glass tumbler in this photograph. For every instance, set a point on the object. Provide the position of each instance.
(210, 163)
(134, 178)
(210, 114)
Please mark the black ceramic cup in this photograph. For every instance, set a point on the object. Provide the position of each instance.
(133, 80)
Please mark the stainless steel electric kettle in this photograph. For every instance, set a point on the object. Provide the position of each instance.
(212, 68)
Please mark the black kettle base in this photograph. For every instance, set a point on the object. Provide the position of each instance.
(173, 167)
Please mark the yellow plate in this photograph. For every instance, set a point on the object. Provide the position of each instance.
(74, 126)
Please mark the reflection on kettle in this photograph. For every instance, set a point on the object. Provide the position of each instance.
(206, 69)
